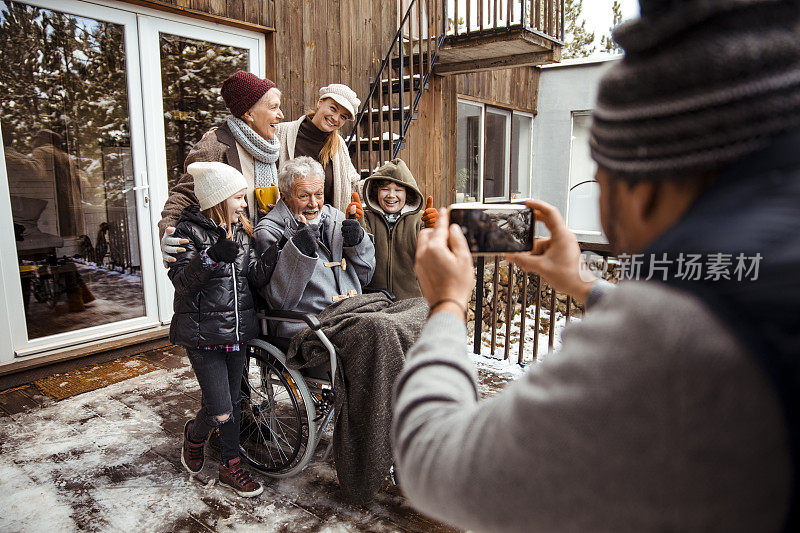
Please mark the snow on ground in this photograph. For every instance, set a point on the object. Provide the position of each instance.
(496, 361)
(109, 460)
(494, 372)
(102, 461)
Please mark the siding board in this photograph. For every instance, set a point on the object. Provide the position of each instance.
(515, 88)
(340, 41)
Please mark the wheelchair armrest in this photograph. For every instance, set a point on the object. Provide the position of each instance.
(291, 316)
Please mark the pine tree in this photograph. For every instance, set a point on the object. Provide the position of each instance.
(607, 44)
(578, 39)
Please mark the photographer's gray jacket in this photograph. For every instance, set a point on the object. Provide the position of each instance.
(303, 283)
(636, 424)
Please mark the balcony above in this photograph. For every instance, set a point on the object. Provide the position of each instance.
(482, 36)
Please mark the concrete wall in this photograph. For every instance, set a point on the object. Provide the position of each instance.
(564, 89)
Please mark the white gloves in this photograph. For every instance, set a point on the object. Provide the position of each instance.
(171, 245)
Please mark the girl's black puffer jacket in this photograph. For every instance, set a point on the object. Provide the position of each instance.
(213, 305)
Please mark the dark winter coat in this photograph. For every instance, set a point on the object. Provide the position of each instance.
(213, 305)
(395, 247)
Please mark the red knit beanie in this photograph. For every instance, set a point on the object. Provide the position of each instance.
(242, 90)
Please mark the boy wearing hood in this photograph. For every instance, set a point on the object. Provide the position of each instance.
(394, 215)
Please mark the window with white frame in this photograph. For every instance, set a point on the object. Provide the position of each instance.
(494, 153)
(583, 211)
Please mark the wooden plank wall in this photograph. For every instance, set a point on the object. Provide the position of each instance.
(431, 142)
(515, 88)
(318, 42)
(255, 12)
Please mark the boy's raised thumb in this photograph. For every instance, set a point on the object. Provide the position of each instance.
(429, 203)
(355, 197)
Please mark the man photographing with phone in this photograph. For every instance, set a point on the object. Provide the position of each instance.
(673, 405)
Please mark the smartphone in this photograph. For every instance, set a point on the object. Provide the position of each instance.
(493, 229)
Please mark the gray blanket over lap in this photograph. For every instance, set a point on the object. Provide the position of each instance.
(371, 335)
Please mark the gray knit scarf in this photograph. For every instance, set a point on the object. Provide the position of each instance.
(264, 151)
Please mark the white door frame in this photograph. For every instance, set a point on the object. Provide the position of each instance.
(10, 272)
(506, 153)
(480, 106)
(530, 155)
(149, 29)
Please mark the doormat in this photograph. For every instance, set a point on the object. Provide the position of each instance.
(93, 377)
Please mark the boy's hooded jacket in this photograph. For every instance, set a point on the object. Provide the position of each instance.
(395, 248)
(213, 305)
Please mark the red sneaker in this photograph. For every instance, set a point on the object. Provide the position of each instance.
(192, 455)
(236, 479)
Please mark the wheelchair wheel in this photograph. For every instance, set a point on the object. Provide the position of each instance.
(278, 432)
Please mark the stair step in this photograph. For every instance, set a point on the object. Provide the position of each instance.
(407, 84)
(386, 136)
(377, 143)
(367, 172)
(384, 113)
(415, 57)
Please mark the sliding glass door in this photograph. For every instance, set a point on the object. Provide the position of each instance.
(100, 107)
(73, 146)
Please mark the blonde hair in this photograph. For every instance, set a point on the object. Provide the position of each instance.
(220, 214)
(332, 145)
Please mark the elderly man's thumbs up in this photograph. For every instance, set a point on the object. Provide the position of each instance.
(429, 216)
(356, 203)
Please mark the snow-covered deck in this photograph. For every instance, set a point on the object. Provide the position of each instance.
(109, 460)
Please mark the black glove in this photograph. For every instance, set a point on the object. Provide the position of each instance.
(270, 260)
(352, 232)
(224, 250)
(305, 240)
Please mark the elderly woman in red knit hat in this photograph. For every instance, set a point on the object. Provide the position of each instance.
(246, 141)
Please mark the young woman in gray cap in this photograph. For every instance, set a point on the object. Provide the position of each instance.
(316, 135)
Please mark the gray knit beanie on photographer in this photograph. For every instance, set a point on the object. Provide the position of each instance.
(702, 83)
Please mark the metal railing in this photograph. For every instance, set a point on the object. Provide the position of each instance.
(472, 17)
(509, 295)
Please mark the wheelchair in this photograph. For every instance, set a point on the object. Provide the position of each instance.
(284, 411)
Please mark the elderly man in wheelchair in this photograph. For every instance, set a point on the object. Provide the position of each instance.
(327, 351)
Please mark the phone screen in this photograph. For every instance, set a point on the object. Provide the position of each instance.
(495, 229)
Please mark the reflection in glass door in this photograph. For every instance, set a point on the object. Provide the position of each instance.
(468, 152)
(182, 101)
(66, 133)
(192, 72)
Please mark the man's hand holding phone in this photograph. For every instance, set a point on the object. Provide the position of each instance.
(443, 266)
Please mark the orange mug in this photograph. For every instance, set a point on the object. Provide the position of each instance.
(266, 196)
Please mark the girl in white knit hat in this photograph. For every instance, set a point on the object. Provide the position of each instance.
(214, 312)
(316, 135)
